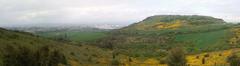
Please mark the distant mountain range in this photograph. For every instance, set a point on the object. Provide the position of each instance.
(67, 27)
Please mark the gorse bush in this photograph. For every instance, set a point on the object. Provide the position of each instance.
(234, 59)
(23, 56)
(115, 62)
(176, 57)
(12, 57)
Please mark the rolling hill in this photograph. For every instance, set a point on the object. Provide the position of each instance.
(145, 43)
(69, 33)
(13, 43)
(155, 35)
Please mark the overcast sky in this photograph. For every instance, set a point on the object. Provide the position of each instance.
(22, 12)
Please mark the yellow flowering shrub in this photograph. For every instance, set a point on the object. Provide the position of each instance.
(236, 36)
(218, 58)
(174, 25)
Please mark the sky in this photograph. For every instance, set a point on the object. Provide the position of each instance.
(122, 12)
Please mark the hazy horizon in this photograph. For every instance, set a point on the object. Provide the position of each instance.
(124, 12)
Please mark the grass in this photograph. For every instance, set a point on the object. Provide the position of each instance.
(77, 36)
(205, 40)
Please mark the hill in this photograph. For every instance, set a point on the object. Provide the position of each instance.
(15, 44)
(73, 36)
(155, 35)
(67, 33)
(160, 22)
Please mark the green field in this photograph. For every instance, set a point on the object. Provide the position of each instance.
(206, 40)
(77, 36)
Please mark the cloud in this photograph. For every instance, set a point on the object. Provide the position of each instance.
(16, 12)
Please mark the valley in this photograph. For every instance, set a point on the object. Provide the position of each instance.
(203, 41)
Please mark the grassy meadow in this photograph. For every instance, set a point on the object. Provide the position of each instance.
(76, 36)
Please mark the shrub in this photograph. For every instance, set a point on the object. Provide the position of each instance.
(115, 62)
(207, 55)
(176, 57)
(23, 56)
(234, 59)
(48, 57)
(197, 57)
(163, 61)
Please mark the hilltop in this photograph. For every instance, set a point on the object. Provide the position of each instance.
(160, 22)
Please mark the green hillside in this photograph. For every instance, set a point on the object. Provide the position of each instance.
(153, 22)
(155, 35)
(14, 44)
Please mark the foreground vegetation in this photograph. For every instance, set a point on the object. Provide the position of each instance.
(19, 48)
(23, 56)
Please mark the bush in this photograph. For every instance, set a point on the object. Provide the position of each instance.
(234, 60)
(207, 55)
(23, 56)
(176, 57)
(115, 62)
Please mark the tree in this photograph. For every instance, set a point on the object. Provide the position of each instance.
(176, 57)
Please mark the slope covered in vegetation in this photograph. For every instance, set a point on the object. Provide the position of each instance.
(18, 48)
(154, 36)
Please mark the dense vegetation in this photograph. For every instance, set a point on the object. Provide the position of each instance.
(24, 56)
(20, 48)
(176, 57)
(234, 59)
